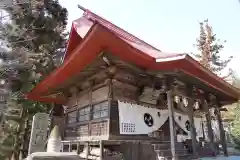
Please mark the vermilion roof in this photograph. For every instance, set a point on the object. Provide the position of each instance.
(82, 25)
(90, 34)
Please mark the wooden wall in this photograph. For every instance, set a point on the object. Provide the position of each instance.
(88, 113)
(125, 85)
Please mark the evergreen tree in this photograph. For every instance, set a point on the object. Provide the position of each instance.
(10, 128)
(233, 114)
(235, 128)
(35, 39)
(209, 48)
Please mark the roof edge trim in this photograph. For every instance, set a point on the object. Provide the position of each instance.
(65, 54)
(171, 58)
(122, 33)
(45, 82)
(211, 74)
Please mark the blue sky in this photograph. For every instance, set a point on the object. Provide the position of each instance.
(170, 25)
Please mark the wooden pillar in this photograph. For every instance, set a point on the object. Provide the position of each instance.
(101, 150)
(209, 127)
(78, 148)
(87, 150)
(221, 129)
(203, 131)
(171, 123)
(192, 127)
(111, 73)
(90, 98)
(70, 147)
(62, 147)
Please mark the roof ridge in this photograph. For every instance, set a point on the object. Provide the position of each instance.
(121, 32)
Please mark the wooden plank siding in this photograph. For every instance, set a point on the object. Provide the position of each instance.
(124, 86)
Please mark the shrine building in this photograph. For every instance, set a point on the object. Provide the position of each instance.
(117, 89)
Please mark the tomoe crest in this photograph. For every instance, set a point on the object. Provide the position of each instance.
(148, 119)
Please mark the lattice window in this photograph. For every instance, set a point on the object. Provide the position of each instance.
(70, 132)
(83, 130)
(100, 110)
(72, 117)
(99, 129)
(84, 114)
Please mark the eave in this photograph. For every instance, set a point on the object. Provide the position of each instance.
(193, 68)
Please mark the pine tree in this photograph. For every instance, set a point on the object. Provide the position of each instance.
(233, 114)
(235, 127)
(35, 39)
(10, 129)
(209, 48)
(14, 70)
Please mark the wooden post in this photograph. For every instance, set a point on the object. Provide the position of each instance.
(78, 147)
(209, 127)
(101, 150)
(171, 124)
(192, 127)
(222, 132)
(111, 72)
(87, 150)
(90, 94)
(110, 99)
(70, 147)
(62, 147)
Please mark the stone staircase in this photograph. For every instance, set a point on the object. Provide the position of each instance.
(163, 151)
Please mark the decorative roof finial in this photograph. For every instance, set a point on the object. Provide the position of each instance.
(82, 8)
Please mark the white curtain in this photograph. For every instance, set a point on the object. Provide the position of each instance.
(215, 128)
(198, 126)
(132, 118)
(181, 120)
